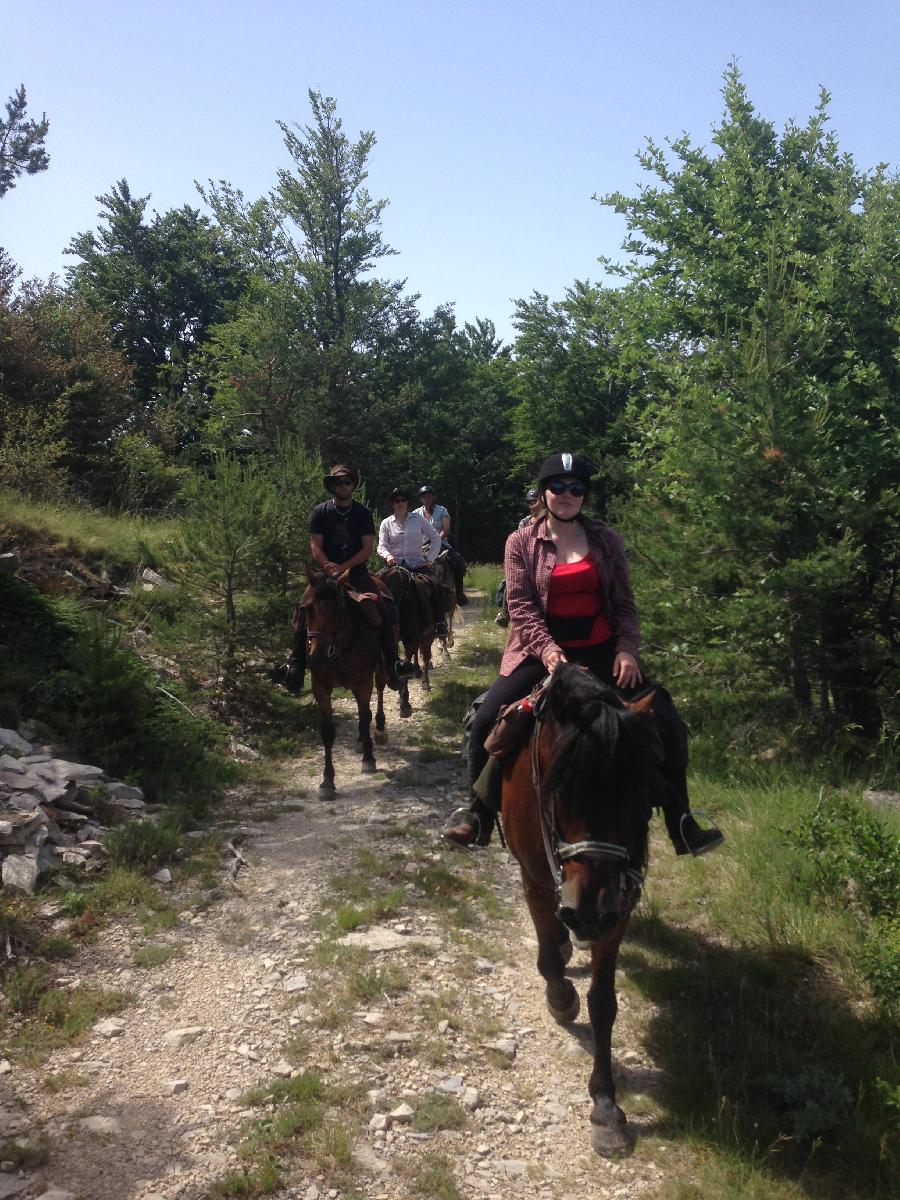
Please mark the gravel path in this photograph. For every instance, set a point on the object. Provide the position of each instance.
(152, 1106)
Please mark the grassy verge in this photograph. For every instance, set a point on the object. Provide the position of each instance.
(84, 531)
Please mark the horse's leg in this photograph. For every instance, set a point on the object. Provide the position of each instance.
(322, 696)
(406, 708)
(562, 999)
(610, 1133)
(425, 645)
(380, 683)
(363, 695)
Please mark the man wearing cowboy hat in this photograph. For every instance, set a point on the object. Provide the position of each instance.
(341, 538)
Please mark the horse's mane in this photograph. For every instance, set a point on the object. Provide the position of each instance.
(604, 754)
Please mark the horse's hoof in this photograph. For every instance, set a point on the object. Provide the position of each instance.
(368, 768)
(405, 710)
(568, 1012)
(612, 1140)
(327, 791)
(380, 736)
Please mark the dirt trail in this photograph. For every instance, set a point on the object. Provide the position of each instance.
(461, 1015)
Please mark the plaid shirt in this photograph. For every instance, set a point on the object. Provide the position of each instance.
(529, 562)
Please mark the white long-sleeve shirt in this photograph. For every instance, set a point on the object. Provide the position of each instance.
(404, 542)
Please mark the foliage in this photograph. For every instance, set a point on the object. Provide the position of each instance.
(142, 843)
(762, 312)
(853, 854)
(21, 142)
(63, 389)
(161, 284)
(68, 668)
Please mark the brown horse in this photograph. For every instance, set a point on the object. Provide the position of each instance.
(412, 596)
(576, 806)
(342, 650)
(444, 581)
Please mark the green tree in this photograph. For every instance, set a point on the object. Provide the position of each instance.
(762, 301)
(162, 284)
(312, 245)
(569, 377)
(63, 389)
(21, 142)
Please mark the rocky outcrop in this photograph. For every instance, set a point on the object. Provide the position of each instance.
(54, 812)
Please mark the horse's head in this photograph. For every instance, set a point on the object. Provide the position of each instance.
(324, 603)
(597, 792)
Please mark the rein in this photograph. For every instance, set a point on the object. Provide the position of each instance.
(556, 848)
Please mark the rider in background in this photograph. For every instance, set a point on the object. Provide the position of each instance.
(341, 537)
(440, 519)
(570, 600)
(535, 510)
(402, 538)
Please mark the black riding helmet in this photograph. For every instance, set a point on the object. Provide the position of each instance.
(426, 490)
(565, 464)
(531, 495)
(400, 493)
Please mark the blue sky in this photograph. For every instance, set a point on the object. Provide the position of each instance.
(496, 122)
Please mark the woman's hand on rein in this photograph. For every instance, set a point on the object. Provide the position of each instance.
(553, 659)
(626, 671)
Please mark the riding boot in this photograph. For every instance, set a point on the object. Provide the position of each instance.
(686, 835)
(470, 826)
(387, 637)
(296, 672)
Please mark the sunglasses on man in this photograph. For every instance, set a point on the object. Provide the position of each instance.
(343, 481)
(559, 486)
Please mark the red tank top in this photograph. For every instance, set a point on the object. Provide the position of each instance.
(575, 615)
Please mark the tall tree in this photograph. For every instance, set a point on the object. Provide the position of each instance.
(162, 284)
(313, 244)
(764, 293)
(21, 142)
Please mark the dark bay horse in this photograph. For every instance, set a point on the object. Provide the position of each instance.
(576, 806)
(411, 593)
(342, 650)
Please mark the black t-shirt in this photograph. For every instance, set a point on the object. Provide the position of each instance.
(342, 534)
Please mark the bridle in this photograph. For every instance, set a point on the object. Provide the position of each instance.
(557, 849)
(328, 640)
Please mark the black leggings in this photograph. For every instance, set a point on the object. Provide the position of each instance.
(599, 661)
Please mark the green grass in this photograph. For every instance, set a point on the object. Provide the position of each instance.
(437, 1110)
(128, 540)
(433, 1179)
(148, 957)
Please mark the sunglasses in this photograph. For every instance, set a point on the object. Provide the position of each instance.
(343, 482)
(559, 487)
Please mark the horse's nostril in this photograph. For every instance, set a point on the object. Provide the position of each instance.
(570, 919)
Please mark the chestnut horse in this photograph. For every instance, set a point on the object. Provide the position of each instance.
(576, 806)
(342, 650)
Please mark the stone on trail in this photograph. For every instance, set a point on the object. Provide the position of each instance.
(100, 1125)
(173, 1087)
(380, 938)
(402, 1114)
(10, 740)
(471, 1099)
(183, 1037)
(12, 1186)
(296, 983)
(55, 1193)
(20, 873)
(111, 1027)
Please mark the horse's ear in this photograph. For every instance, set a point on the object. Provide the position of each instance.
(644, 704)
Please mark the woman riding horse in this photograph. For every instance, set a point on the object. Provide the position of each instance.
(570, 600)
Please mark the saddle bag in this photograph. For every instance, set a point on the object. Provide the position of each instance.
(513, 725)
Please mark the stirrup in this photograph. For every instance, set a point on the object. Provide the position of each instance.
(712, 838)
(457, 817)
